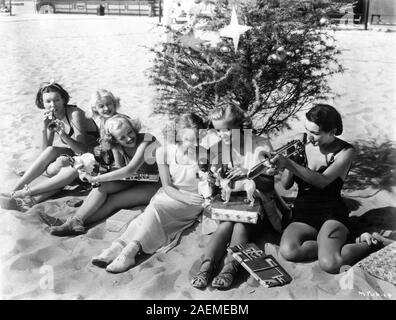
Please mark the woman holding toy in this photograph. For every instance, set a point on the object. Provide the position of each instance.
(79, 135)
(320, 227)
(240, 151)
(117, 189)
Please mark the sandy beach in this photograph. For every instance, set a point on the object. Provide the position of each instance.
(84, 53)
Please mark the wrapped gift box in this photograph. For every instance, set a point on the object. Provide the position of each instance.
(235, 210)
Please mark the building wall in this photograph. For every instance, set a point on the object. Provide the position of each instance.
(112, 7)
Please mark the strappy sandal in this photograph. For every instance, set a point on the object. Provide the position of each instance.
(202, 278)
(225, 279)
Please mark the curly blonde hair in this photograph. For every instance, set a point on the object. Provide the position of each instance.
(97, 97)
(107, 140)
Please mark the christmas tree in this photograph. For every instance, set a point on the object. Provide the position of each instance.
(270, 58)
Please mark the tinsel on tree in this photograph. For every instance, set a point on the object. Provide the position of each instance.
(281, 64)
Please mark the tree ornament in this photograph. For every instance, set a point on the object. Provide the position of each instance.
(281, 52)
(323, 21)
(234, 30)
(194, 77)
(225, 49)
(274, 58)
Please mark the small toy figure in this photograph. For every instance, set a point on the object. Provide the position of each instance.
(206, 185)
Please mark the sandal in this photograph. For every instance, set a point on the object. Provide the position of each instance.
(72, 226)
(225, 279)
(202, 278)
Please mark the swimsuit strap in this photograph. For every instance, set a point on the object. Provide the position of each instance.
(345, 147)
(71, 132)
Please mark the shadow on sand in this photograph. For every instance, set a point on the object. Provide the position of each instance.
(374, 167)
(374, 220)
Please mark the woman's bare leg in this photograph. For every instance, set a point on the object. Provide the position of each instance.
(138, 194)
(94, 201)
(215, 250)
(65, 176)
(38, 167)
(298, 242)
(219, 240)
(240, 235)
(333, 252)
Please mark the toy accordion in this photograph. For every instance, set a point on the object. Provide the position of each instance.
(264, 268)
(236, 210)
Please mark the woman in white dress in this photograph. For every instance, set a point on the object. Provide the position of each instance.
(175, 207)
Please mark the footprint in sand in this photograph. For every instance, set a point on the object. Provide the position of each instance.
(162, 286)
(35, 259)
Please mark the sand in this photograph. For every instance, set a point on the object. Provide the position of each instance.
(88, 52)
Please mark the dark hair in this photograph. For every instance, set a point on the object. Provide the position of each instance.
(326, 117)
(51, 87)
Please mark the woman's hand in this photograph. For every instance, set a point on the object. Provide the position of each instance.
(194, 199)
(237, 172)
(86, 177)
(280, 161)
(97, 151)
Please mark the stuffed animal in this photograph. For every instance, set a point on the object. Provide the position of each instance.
(86, 164)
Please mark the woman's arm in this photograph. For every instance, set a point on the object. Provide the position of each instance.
(128, 170)
(48, 138)
(78, 121)
(119, 161)
(287, 179)
(48, 135)
(339, 168)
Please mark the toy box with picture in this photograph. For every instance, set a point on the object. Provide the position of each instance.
(262, 267)
(236, 209)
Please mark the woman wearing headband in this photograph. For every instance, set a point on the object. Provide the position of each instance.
(77, 133)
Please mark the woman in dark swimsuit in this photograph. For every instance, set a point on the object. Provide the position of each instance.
(78, 133)
(319, 229)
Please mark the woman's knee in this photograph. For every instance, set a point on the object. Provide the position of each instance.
(289, 250)
(105, 187)
(330, 263)
(240, 227)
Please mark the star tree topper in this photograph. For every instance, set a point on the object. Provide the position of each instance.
(234, 30)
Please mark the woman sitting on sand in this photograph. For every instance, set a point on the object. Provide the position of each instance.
(320, 217)
(135, 152)
(242, 151)
(103, 106)
(72, 127)
(175, 207)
